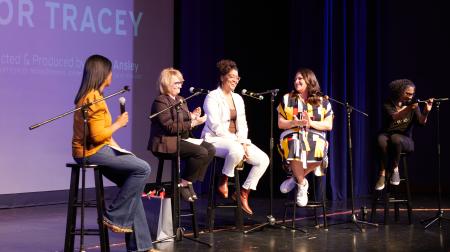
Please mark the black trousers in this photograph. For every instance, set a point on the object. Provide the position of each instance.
(390, 147)
(196, 157)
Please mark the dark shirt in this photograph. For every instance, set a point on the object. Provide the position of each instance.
(402, 126)
(165, 124)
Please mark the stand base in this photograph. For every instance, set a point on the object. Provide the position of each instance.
(438, 217)
(359, 223)
(270, 222)
(294, 229)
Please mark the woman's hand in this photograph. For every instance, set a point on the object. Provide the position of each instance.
(197, 112)
(122, 120)
(199, 120)
(300, 123)
(428, 105)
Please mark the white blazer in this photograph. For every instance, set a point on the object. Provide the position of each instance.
(218, 119)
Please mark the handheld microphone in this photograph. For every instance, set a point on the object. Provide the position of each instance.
(252, 95)
(198, 90)
(122, 104)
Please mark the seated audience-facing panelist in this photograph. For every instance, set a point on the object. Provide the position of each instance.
(196, 153)
(226, 128)
(399, 114)
(126, 213)
(305, 117)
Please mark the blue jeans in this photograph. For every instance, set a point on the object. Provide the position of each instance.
(129, 173)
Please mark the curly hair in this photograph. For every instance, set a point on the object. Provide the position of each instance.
(225, 66)
(312, 85)
(398, 87)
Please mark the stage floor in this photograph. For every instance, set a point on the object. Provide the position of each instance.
(42, 228)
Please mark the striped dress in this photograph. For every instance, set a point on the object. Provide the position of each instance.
(300, 143)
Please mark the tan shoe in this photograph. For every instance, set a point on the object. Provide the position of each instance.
(244, 200)
(222, 189)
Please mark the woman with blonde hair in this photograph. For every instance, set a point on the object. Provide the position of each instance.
(163, 133)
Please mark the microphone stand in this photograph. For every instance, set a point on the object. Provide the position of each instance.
(179, 233)
(84, 109)
(270, 219)
(440, 213)
(349, 110)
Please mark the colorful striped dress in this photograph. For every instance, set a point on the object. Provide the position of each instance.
(307, 145)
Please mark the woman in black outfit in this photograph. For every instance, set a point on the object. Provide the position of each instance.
(400, 113)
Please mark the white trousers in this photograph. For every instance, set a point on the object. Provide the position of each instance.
(233, 152)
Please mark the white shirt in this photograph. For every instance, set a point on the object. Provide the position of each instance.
(218, 120)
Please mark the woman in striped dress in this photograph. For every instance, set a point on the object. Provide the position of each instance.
(305, 116)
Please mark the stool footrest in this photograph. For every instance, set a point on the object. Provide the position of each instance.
(398, 201)
(225, 205)
(311, 204)
(87, 204)
(87, 166)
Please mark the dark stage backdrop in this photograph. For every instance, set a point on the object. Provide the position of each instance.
(355, 48)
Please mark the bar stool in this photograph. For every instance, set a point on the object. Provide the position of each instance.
(191, 212)
(390, 194)
(311, 205)
(213, 204)
(75, 202)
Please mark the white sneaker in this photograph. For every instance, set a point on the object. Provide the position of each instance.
(302, 193)
(287, 185)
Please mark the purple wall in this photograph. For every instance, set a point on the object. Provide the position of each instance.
(43, 47)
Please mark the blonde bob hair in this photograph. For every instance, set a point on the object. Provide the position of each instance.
(165, 79)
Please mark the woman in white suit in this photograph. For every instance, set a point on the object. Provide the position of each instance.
(226, 128)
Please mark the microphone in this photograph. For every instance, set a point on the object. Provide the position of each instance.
(252, 95)
(198, 90)
(122, 104)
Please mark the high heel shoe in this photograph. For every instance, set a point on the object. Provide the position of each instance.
(191, 190)
(185, 193)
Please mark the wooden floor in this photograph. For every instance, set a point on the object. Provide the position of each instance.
(42, 229)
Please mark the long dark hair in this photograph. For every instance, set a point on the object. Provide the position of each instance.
(96, 70)
(312, 85)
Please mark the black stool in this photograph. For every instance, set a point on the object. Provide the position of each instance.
(191, 212)
(390, 195)
(75, 202)
(311, 205)
(213, 204)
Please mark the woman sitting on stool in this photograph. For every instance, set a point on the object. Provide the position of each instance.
(126, 213)
(163, 135)
(226, 128)
(305, 117)
(400, 113)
